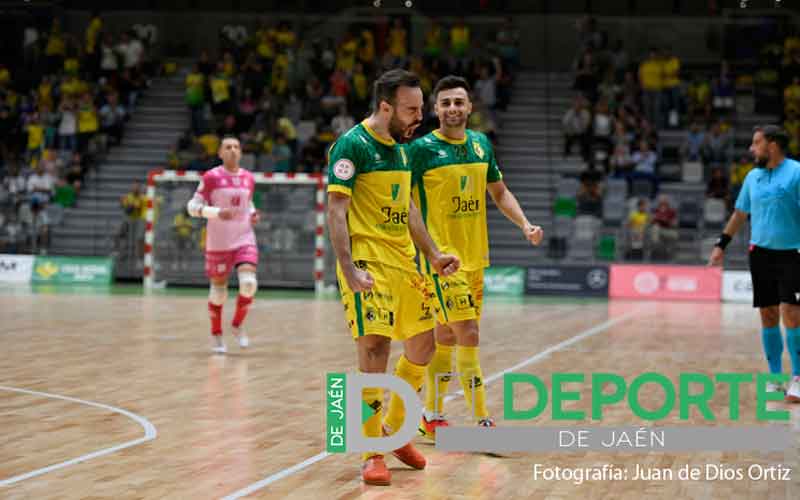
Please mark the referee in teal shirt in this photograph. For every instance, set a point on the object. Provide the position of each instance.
(770, 195)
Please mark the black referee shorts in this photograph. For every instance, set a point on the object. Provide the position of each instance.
(775, 275)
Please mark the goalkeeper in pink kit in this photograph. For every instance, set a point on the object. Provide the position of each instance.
(224, 197)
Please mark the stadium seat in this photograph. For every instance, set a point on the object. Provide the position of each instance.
(565, 207)
(692, 171)
(607, 247)
(642, 188)
(616, 189)
(688, 214)
(567, 187)
(613, 211)
(714, 212)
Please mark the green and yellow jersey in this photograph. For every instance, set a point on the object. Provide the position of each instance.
(449, 187)
(376, 175)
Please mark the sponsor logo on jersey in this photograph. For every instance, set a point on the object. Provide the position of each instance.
(478, 149)
(442, 153)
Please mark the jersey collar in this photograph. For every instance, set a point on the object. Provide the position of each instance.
(376, 136)
(444, 138)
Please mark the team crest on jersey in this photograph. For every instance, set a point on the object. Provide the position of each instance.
(478, 149)
(344, 169)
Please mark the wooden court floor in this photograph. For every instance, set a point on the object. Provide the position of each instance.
(117, 396)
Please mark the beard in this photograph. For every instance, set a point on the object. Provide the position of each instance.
(761, 161)
(401, 132)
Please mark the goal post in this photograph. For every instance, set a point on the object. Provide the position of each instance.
(290, 236)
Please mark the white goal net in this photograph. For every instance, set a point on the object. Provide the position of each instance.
(292, 244)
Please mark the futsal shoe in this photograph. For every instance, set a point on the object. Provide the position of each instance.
(409, 455)
(427, 428)
(218, 345)
(486, 422)
(793, 394)
(374, 471)
(241, 337)
(775, 387)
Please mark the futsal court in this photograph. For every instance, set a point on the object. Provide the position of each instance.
(114, 394)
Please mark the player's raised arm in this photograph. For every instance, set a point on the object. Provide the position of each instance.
(509, 206)
(445, 264)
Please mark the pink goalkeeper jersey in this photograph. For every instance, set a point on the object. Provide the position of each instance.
(222, 189)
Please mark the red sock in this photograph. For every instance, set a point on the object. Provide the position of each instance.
(215, 315)
(242, 305)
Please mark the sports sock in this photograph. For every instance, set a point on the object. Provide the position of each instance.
(773, 347)
(436, 387)
(469, 372)
(215, 315)
(372, 397)
(242, 306)
(413, 375)
(793, 346)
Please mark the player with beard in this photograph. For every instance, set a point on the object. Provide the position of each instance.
(770, 195)
(453, 168)
(373, 227)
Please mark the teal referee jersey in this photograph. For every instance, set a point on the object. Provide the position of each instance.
(772, 198)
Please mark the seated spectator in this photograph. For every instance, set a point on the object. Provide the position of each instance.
(74, 176)
(718, 185)
(486, 87)
(644, 160)
(602, 130)
(637, 226)
(621, 162)
(342, 122)
(663, 231)
(40, 187)
(718, 146)
(65, 193)
(590, 195)
(738, 173)
(51, 163)
(692, 147)
(112, 118)
(281, 155)
(631, 93)
(576, 123)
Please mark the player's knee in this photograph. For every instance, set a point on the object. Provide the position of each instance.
(217, 294)
(445, 335)
(248, 283)
(468, 334)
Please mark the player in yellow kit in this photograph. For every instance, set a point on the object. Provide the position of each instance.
(453, 168)
(373, 228)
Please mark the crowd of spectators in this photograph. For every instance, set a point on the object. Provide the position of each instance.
(287, 97)
(59, 110)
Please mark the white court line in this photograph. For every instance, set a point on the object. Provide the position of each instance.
(533, 359)
(150, 433)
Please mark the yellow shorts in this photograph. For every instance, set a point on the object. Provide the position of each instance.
(460, 296)
(400, 304)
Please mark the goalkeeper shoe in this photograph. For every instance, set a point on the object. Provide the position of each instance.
(374, 471)
(241, 337)
(218, 345)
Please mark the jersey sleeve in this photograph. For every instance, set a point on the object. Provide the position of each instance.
(204, 188)
(343, 161)
(743, 201)
(493, 173)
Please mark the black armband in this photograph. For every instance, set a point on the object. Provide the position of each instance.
(723, 241)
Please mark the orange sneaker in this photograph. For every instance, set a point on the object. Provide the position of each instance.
(427, 428)
(410, 456)
(374, 471)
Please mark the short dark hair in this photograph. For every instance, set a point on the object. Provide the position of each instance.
(451, 82)
(774, 133)
(385, 87)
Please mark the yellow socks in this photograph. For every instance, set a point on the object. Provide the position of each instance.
(373, 397)
(414, 375)
(436, 388)
(469, 369)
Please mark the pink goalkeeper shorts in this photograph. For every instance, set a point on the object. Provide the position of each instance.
(220, 264)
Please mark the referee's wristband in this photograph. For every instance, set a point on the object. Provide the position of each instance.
(723, 241)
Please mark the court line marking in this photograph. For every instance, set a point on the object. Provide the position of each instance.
(529, 361)
(150, 433)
